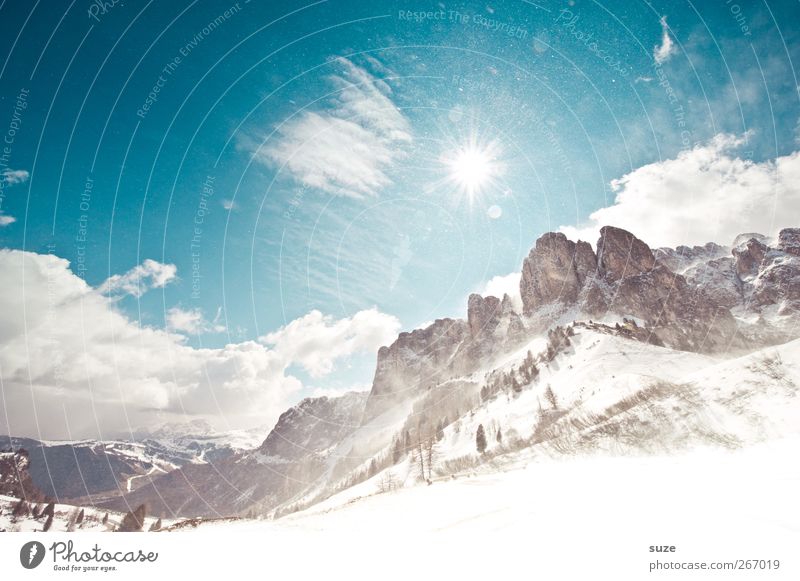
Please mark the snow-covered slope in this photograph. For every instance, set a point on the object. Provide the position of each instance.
(570, 496)
(601, 393)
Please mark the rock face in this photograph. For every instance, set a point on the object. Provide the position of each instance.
(419, 360)
(624, 278)
(483, 314)
(749, 254)
(720, 280)
(789, 241)
(555, 270)
(314, 425)
(620, 254)
(683, 258)
(415, 360)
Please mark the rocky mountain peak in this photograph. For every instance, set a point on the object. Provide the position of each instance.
(483, 314)
(620, 254)
(555, 270)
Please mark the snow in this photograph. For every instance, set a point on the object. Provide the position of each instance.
(571, 518)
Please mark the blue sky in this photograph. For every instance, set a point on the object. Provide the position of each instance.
(288, 158)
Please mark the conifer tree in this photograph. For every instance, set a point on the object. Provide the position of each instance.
(134, 520)
(480, 439)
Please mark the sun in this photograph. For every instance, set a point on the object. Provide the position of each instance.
(472, 168)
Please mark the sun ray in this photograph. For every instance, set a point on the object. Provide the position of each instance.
(472, 168)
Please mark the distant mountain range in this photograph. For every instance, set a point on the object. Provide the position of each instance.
(90, 469)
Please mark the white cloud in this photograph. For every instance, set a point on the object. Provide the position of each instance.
(704, 194)
(664, 52)
(138, 280)
(347, 149)
(73, 365)
(11, 177)
(508, 284)
(15, 176)
(192, 322)
(229, 204)
(316, 341)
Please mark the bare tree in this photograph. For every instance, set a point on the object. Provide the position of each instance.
(387, 482)
(421, 459)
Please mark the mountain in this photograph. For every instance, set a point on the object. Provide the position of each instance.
(296, 452)
(88, 470)
(617, 349)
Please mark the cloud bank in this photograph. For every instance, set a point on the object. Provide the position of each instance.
(705, 194)
(74, 366)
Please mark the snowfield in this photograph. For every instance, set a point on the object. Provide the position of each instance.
(589, 489)
(573, 518)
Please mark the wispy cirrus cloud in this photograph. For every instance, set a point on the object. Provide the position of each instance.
(663, 52)
(141, 278)
(346, 149)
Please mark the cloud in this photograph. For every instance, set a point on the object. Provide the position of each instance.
(663, 53)
(508, 284)
(74, 366)
(315, 341)
(138, 280)
(10, 177)
(15, 176)
(704, 194)
(192, 322)
(346, 149)
(229, 204)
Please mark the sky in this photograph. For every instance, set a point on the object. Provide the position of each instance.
(213, 209)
